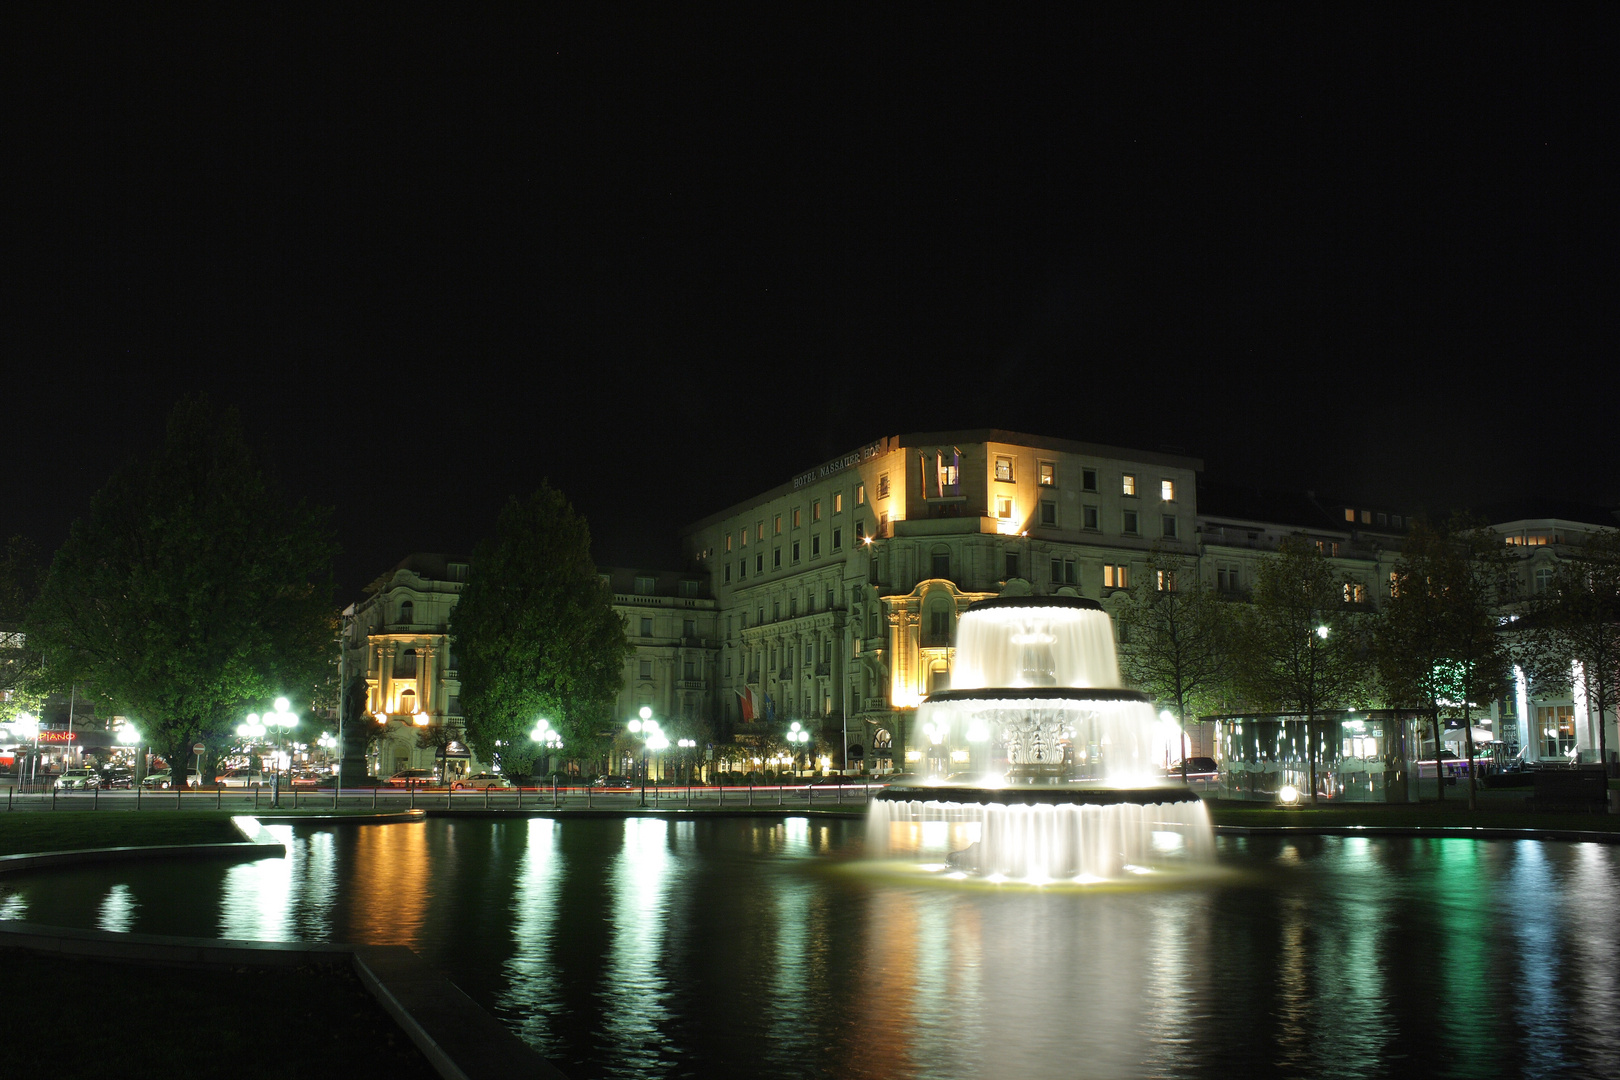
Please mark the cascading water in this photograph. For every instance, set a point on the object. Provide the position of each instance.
(1061, 782)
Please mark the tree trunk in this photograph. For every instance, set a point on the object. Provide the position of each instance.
(178, 751)
(1468, 746)
(1439, 767)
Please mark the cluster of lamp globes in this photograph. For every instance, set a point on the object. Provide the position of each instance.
(256, 726)
(650, 733)
(546, 735)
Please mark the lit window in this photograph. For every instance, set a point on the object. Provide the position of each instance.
(1166, 581)
(776, 524)
(1004, 469)
(1366, 517)
(1090, 517)
(1349, 514)
(1048, 512)
(1130, 523)
(838, 503)
(1116, 576)
(815, 510)
(1048, 474)
(728, 541)
(1088, 479)
(1167, 490)
(1394, 584)
(745, 538)
(1127, 484)
(1355, 593)
(1004, 507)
(1170, 527)
(759, 530)
(860, 494)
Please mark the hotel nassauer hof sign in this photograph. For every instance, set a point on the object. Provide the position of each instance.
(838, 465)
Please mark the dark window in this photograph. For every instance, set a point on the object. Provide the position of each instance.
(1012, 564)
(942, 564)
(1048, 513)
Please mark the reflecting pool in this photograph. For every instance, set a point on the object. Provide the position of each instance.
(727, 947)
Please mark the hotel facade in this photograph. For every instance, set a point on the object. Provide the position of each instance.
(832, 599)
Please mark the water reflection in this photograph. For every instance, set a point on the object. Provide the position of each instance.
(117, 910)
(746, 947)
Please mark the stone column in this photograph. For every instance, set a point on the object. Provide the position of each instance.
(385, 676)
(424, 678)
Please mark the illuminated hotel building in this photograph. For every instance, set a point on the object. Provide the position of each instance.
(398, 648)
(838, 592)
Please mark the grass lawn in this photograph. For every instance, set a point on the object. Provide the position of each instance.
(89, 1017)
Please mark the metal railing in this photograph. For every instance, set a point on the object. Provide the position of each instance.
(808, 793)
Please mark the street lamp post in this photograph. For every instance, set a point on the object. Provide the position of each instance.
(28, 724)
(797, 736)
(546, 735)
(646, 729)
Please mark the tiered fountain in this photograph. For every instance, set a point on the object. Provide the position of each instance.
(1063, 785)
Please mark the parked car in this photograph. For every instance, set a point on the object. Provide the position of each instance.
(612, 782)
(483, 781)
(78, 780)
(243, 778)
(410, 778)
(116, 778)
(1198, 768)
(162, 781)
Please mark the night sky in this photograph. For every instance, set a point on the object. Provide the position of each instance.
(669, 262)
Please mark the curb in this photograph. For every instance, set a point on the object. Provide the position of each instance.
(257, 843)
(459, 1039)
(1435, 832)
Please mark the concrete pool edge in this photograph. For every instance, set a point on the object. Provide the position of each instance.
(459, 1039)
(256, 843)
(1433, 832)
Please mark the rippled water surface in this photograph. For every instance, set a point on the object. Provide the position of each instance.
(752, 947)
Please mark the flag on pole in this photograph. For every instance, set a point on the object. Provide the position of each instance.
(746, 697)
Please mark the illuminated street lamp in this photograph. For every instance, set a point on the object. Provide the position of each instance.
(256, 728)
(28, 725)
(546, 735)
(797, 736)
(686, 758)
(646, 729)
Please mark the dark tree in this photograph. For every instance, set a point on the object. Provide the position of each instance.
(1176, 638)
(1437, 641)
(193, 591)
(1299, 646)
(536, 635)
(1578, 619)
(20, 571)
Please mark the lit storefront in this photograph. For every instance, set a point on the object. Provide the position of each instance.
(1361, 756)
